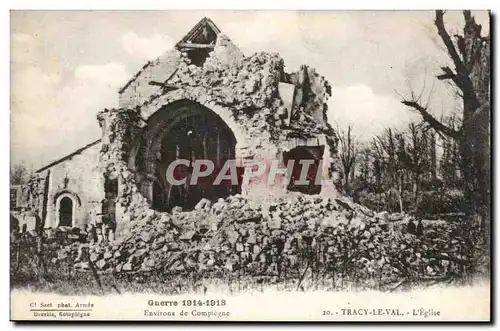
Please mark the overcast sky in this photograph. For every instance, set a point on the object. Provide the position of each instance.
(68, 65)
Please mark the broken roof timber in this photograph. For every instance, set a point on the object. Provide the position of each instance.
(198, 29)
(189, 45)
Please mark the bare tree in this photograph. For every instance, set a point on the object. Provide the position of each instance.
(19, 174)
(415, 156)
(470, 54)
(450, 164)
(386, 145)
(348, 150)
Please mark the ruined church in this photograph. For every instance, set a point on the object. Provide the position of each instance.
(203, 99)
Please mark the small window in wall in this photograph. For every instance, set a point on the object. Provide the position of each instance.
(198, 56)
(313, 153)
(66, 212)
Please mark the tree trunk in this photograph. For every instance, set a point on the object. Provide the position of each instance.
(416, 187)
(433, 157)
(475, 149)
(401, 178)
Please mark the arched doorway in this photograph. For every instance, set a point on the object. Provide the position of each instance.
(66, 212)
(66, 203)
(189, 131)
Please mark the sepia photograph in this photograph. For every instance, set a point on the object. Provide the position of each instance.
(250, 165)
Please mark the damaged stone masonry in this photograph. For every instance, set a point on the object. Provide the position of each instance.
(202, 99)
(108, 207)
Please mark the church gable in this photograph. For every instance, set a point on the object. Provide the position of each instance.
(203, 35)
(199, 42)
(204, 40)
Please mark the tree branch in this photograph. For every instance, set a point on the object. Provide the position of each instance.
(449, 74)
(439, 22)
(461, 78)
(438, 126)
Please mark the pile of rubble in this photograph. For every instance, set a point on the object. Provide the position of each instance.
(281, 239)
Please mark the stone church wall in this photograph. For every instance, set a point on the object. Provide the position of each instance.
(79, 179)
(245, 92)
(269, 111)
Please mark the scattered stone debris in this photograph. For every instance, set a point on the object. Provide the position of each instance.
(237, 236)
